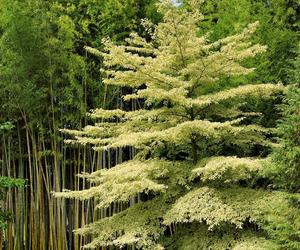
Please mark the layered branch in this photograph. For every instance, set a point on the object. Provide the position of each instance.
(232, 206)
(126, 228)
(122, 182)
(229, 169)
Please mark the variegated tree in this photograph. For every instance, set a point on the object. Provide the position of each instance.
(192, 137)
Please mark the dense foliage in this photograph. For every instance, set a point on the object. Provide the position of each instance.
(47, 82)
(199, 154)
(286, 170)
(279, 26)
(191, 109)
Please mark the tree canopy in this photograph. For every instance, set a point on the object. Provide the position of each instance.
(197, 160)
(148, 124)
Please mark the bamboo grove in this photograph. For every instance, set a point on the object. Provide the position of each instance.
(149, 124)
